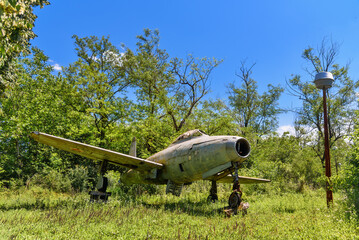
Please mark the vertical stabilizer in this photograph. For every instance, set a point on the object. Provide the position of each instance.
(133, 147)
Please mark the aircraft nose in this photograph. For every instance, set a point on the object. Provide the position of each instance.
(238, 149)
(242, 147)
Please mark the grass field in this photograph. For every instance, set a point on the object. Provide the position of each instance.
(41, 214)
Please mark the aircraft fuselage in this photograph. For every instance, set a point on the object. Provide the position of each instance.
(193, 159)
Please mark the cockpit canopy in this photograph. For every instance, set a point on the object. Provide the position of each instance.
(189, 135)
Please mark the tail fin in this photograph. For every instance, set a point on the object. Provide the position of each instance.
(133, 147)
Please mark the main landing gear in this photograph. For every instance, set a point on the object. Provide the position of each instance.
(101, 185)
(213, 197)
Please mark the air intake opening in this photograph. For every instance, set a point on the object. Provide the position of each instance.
(243, 148)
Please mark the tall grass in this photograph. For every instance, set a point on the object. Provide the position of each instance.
(42, 214)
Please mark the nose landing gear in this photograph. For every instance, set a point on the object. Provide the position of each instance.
(235, 198)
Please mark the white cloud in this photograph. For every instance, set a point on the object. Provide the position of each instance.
(96, 59)
(57, 67)
(286, 128)
(114, 58)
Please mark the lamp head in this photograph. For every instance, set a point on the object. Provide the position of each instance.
(324, 80)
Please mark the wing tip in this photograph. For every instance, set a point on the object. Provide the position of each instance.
(35, 135)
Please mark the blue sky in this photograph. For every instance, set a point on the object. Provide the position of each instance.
(271, 33)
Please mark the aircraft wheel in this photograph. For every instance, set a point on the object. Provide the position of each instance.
(212, 198)
(234, 201)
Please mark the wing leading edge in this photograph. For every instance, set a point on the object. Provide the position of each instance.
(95, 153)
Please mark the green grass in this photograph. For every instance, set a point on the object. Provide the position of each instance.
(40, 214)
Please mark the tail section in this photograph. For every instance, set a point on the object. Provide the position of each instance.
(133, 147)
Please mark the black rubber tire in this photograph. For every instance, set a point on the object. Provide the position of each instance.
(212, 198)
(234, 201)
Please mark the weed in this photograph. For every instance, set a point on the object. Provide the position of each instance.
(42, 214)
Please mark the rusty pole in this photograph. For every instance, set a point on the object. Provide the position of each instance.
(328, 171)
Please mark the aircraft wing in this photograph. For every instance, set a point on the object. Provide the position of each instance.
(242, 179)
(95, 153)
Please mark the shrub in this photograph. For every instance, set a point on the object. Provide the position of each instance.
(350, 183)
(78, 177)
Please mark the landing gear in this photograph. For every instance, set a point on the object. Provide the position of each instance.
(101, 185)
(213, 197)
(235, 198)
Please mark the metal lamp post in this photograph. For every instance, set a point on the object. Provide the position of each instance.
(324, 81)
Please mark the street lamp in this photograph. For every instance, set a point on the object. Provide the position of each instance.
(324, 80)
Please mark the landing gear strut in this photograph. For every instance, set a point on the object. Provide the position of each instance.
(213, 197)
(235, 198)
(101, 185)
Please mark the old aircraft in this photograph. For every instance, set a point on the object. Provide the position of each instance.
(193, 156)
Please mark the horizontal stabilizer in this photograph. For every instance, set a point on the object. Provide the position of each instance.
(95, 153)
(242, 180)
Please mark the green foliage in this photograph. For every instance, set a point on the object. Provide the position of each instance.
(78, 177)
(191, 85)
(54, 180)
(98, 80)
(350, 179)
(213, 118)
(155, 135)
(29, 106)
(340, 99)
(290, 165)
(16, 23)
(149, 73)
(167, 89)
(72, 180)
(252, 110)
(89, 103)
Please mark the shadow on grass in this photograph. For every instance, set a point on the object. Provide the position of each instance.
(186, 206)
(42, 204)
(201, 208)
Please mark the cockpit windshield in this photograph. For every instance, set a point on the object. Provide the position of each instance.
(189, 135)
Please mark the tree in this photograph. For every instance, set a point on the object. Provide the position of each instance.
(32, 103)
(16, 23)
(168, 87)
(249, 108)
(285, 161)
(98, 80)
(191, 85)
(340, 98)
(213, 117)
(168, 90)
(149, 73)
